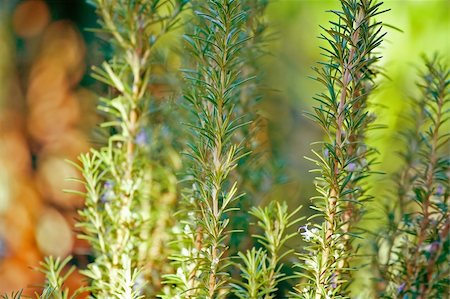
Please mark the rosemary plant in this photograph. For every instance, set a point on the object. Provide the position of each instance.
(262, 268)
(131, 191)
(14, 295)
(56, 275)
(417, 264)
(123, 198)
(344, 159)
(212, 93)
(55, 278)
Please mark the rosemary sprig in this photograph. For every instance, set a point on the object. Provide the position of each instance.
(120, 179)
(56, 276)
(212, 93)
(261, 269)
(343, 164)
(418, 258)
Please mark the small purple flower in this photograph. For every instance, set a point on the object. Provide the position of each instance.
(401, 288)
(351, 166)
(333, 281)
(142, 138)
(108, 185)
(108, 193)
(434, 247)
(326, 153)
(440, 190)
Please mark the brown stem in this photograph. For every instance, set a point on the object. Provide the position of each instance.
(217, 163)
(212, 276)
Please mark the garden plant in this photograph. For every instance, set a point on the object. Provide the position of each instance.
(171, 204)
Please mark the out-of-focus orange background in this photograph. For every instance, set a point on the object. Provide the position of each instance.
(45, 117)
(47, 113)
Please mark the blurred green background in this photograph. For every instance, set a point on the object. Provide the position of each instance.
(24, 32)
